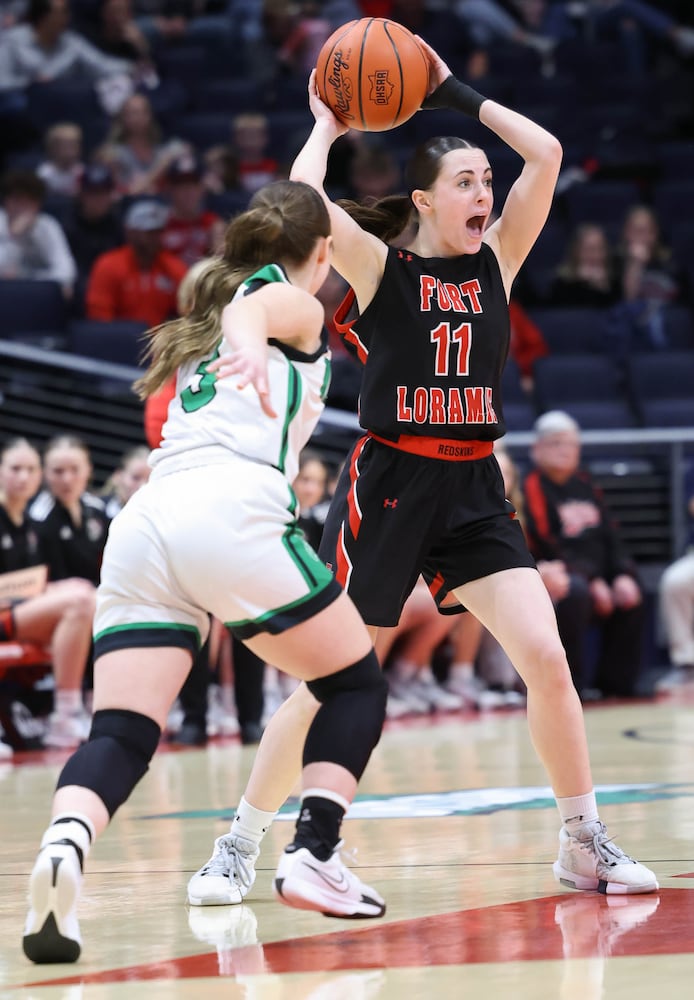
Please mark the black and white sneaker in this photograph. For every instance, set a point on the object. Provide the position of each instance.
(304, 882)
(52, 932)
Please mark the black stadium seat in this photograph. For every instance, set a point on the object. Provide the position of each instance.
(588, 386)
(29, 306)
(119, 341)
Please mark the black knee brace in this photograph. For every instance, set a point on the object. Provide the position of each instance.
(348, 724)
(121, 744)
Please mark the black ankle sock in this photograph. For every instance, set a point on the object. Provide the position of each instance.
(318, 826)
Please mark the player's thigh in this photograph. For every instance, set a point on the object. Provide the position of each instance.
(330, 640)
(515, 607)
(141, 680)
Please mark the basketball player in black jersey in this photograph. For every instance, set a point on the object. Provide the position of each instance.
(421, 492)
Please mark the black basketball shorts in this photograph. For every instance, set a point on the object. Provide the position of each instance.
(397, 515)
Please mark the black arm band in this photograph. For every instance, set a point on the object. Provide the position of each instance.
(456, 96)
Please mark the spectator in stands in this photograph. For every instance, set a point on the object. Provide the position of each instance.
(132, 473)
(204, 22)
(634, 23)
(137, 281)
(93, 225)
(63, 167)
(311, 28)
(191, 231)
(587, 276)
(43, 49)
(60, 615)
(310, 487)
(651, 280)
(135, 150)
(115, 31)
(32, 243)
(488, 21)
(72, 522)
(221, 170)
(250, 136)
(11, 12)
(676, 593)
(568, 523)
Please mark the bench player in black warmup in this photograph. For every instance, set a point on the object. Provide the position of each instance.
(421, 491)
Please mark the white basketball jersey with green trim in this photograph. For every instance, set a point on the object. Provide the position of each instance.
(208, 415)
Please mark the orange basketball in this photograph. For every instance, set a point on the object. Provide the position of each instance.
(372, 73)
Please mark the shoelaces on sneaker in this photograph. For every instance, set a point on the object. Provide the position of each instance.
(229, 860)
(605, 848)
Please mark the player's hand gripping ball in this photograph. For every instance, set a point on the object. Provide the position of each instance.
(373, 74)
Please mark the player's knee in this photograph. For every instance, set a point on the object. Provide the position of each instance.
(365, 674)
(79, 598)
(357, 696)
(121, 745)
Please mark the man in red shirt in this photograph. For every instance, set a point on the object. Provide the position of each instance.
(191, 230)
(137, 281)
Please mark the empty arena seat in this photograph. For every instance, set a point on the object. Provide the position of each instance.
(587, 386)
(29, 306)
(119, 341)
(571, 330)
(661, 386)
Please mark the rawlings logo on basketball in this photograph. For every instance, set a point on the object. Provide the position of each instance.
(341, 85)
(381, 87)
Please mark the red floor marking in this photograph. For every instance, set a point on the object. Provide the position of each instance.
(564, 926)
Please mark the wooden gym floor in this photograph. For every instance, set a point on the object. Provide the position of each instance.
(455, 826)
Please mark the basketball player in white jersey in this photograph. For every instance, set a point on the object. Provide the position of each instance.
(214, 532)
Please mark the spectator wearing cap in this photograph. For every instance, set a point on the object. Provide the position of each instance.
(137, 281)
(568, 524)
(32, 243)
(93, 225)
(192, 231)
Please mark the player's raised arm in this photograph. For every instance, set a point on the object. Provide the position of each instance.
(358, 256)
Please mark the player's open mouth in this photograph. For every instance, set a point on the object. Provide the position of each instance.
(475, 225)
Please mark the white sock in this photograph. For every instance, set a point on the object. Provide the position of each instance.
(227, 698)
(251, 823)
(461, 670)
(404, 670)
(578, 810)
(72, 826)
(68, 702)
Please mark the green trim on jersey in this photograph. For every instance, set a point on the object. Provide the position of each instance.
(313, 570)
(270, 272)
(326, 379)
(293, 405)
(132, 626)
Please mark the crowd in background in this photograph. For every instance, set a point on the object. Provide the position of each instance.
(108, 195)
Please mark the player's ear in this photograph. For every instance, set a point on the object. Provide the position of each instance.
(326, 249)
(421, 200)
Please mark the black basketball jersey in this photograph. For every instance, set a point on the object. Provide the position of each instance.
(19, 544)
(434, 341)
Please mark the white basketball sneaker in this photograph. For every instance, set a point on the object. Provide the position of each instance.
(590, 860)
(228, 876)
(52, 933)
(304, 882)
